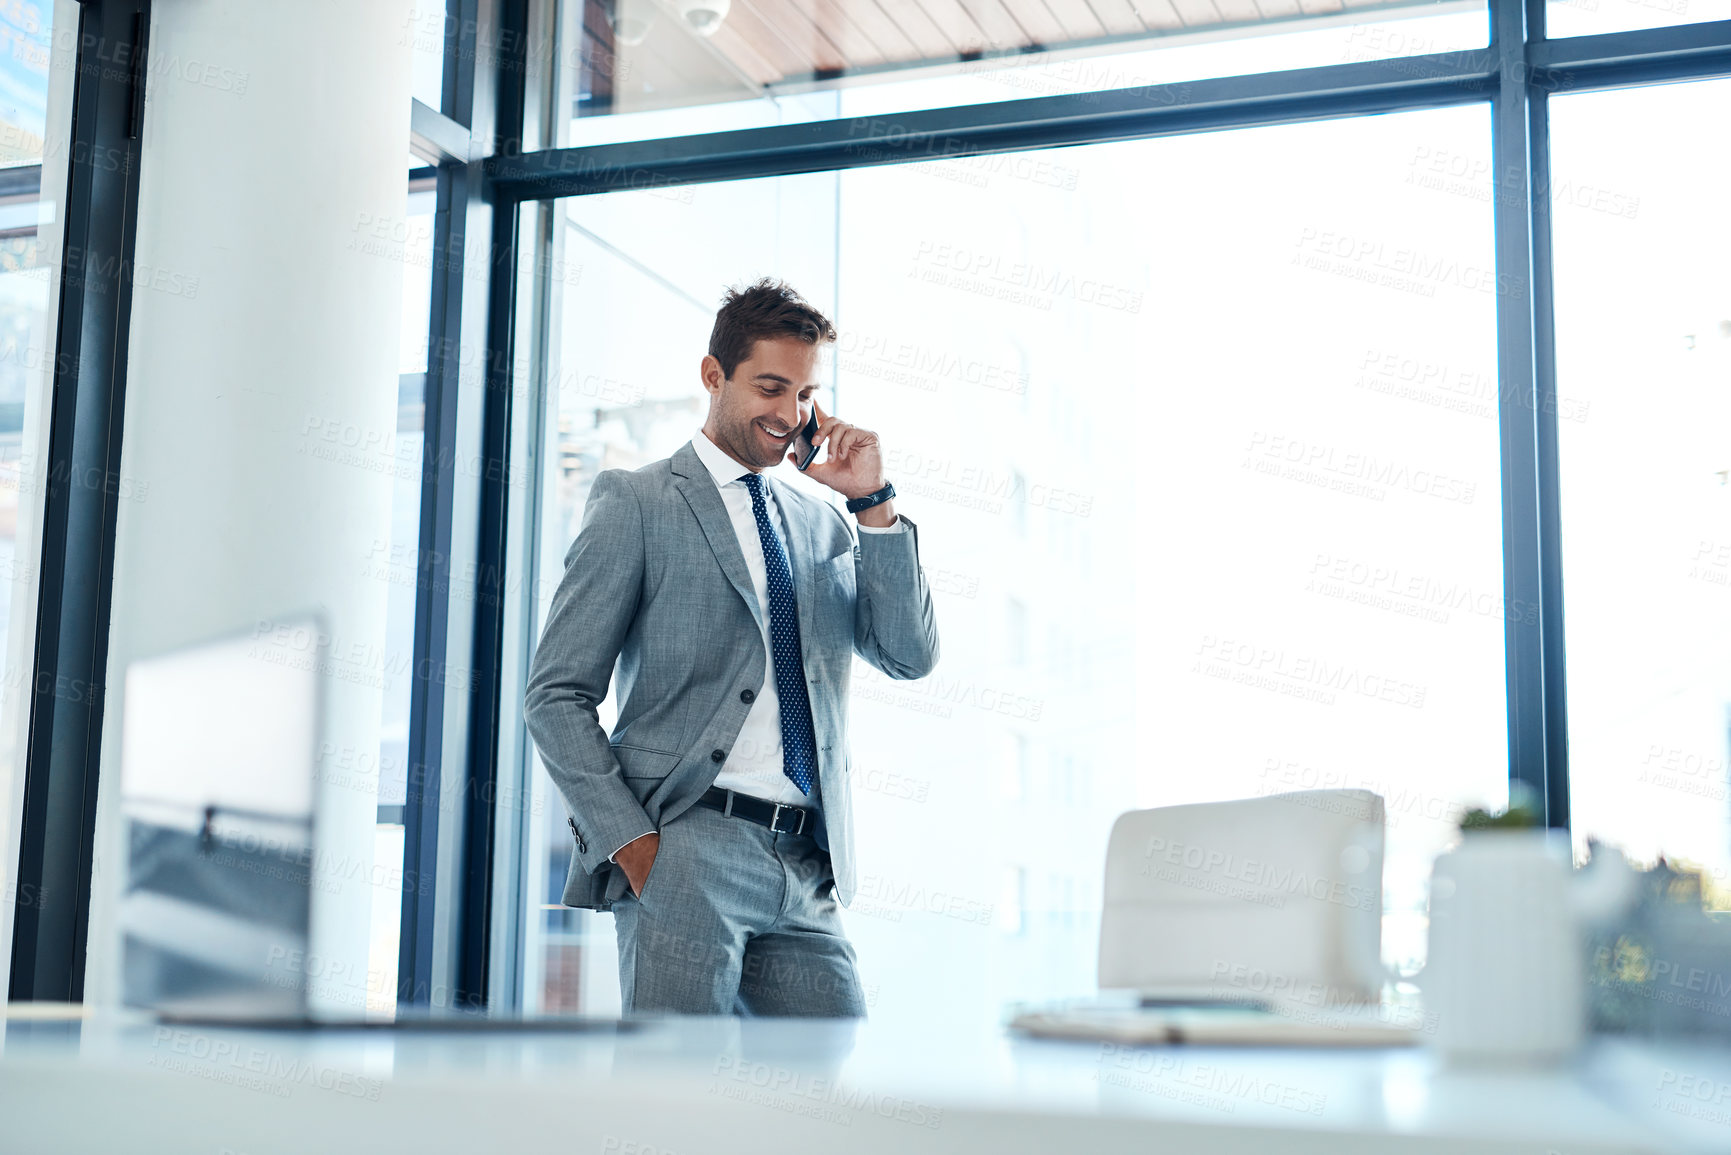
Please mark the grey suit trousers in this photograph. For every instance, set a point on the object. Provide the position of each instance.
(735, 920)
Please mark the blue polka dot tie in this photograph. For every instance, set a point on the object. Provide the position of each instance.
(798, 743)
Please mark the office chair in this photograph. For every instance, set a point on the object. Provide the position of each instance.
(1276, 898)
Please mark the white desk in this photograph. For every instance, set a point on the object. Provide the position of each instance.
(696, 1087)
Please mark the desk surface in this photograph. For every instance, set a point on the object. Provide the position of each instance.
(689, 1087)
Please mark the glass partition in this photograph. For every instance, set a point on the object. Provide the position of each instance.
(1644, 358)
(1202, 443)
(1591, 17)
(423, 31)
(395, 563)
(36, 71)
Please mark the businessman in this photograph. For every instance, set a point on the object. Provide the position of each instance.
(716, 821)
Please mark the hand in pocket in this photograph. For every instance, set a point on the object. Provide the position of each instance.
(636, 858)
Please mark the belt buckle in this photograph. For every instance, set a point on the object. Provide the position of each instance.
(775, 819)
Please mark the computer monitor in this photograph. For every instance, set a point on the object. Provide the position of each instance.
(218, 758)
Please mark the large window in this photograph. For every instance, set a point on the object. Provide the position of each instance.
(27, 258)
(395, 562)
(1587, 17)
(1207, 431)
(1202, 442)
(1644, 360)
(636, 279)
(640, 70)
(36, 60)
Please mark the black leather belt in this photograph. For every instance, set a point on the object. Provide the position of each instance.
(764, 813)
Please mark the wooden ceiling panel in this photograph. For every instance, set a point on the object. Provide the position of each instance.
(1239, 11)
(800, 33)
(1197, 12)
(832, 19)
(803, 34)
(744, 55)
(957, 24)
(600, 57)
(911, 17)
(1077, 19)
(1036, 21)
(1158, 15)
(1002, 31)
(1118, 16)
(878, 28)
(768, 40)
(781, 40)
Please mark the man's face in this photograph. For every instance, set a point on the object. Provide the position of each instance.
(754, 415)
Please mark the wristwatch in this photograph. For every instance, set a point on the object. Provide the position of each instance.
(858, 504)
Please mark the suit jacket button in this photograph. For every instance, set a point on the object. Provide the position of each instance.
(718, 755)
(747, 696)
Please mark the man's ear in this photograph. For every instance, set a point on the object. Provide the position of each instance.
(711, 375)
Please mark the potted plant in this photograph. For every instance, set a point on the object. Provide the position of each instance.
(1504, 977)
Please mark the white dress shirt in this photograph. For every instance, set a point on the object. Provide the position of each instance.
(754, 765)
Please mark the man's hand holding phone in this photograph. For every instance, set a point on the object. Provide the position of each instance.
(853, 467)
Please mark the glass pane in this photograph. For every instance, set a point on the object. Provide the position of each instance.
(424, 32)
(647, 271)
(1644, 351)
(417, 238)
(1207, 487)
(396, 563)
(641, 72)
(27, 241)
(36, 72)
(1588, 17)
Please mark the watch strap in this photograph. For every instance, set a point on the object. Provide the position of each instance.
(860, 504)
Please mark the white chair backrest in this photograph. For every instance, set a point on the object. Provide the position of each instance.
(1276, 897)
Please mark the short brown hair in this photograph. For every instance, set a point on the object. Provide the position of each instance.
(766, 308)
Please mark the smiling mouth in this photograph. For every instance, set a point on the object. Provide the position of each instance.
(772, 434)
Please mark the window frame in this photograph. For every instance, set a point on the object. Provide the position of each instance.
(76, 571)
(453, 951)
(1516, 74)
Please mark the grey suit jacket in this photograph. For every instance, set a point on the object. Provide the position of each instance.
(656, 589)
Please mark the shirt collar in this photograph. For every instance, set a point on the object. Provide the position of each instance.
(722, 468)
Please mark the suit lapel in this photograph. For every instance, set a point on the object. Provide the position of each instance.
(801, 557)
(698, 488)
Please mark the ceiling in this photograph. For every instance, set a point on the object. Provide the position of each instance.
(764, 47)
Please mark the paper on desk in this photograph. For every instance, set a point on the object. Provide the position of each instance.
(46, 1011)
(1219, 1026)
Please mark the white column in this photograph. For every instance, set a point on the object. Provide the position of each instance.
(264, 330)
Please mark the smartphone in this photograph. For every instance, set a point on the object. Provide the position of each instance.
(803, 448)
